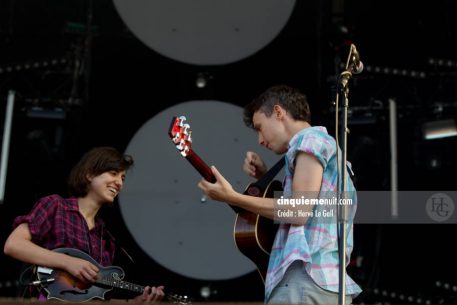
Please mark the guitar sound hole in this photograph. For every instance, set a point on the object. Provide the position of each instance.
(253, 191)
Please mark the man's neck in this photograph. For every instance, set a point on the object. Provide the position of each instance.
(295, 127)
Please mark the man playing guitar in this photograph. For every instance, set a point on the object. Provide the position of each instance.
(303, 265)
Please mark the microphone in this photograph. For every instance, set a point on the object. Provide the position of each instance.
(355, 65)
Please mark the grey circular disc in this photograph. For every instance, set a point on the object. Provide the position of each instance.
(162, 205)
(205, 32)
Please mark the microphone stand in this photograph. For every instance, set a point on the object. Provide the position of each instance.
(343, 88)
(5, 150)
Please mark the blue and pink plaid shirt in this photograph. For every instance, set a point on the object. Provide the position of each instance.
(316, 243)
(56, 222)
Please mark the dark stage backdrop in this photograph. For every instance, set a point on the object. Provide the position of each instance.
(408, 50)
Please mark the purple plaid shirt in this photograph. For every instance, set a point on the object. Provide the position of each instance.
(56, 222)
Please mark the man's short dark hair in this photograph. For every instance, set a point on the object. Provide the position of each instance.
(291, 99)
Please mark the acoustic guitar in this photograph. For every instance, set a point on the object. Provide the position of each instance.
(61, 285)
(253, 234)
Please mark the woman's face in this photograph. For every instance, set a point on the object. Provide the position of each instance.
(107, 185)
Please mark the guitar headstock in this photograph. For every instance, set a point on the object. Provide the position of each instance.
(180, 134)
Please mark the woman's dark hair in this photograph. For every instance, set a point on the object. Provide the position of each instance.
(95, 162)
(291, 99)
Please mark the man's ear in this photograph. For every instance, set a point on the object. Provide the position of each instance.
(89, 177)
(278, 111)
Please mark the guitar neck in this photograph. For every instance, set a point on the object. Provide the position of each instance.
(205, 171)
(200, 166)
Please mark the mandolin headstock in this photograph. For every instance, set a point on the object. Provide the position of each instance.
(178, 299)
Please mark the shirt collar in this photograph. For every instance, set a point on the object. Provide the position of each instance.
(305, 130)
(73, 206)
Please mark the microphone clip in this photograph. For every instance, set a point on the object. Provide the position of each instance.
(353, 66)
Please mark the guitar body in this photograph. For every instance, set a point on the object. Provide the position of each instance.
(66, 287)
(254, 235)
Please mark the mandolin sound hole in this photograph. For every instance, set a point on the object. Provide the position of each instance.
(115, 276)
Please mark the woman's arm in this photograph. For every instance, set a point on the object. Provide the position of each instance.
(19, 245)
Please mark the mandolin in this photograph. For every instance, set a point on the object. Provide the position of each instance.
(61, 285)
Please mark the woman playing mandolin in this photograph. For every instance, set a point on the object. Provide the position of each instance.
(57, 222)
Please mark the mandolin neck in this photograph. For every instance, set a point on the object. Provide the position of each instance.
(172, 298)
(120, 284)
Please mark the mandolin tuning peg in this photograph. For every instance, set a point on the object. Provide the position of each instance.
(178, 299)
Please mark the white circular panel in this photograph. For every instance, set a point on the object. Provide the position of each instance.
(161, 203)
(205, 32)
